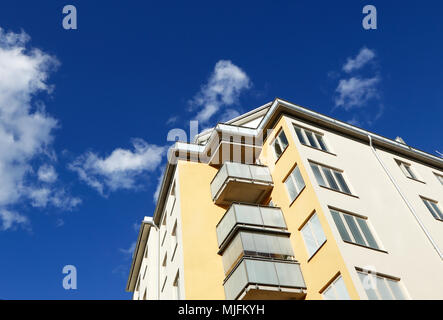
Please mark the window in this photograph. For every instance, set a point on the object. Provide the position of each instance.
(313, 235)
(433, 208)
(407, 170)
(163, 269)
(330, 178)
(280, 144)
(176, 287)
(310, 138)
(144, 273)
(164, 237)
(163, 226)
(164, 284)
(378, 287)
(354, 229)
(336, 290)
(146, 251)
(174, 242)
(172, 199)
(137, 287)
(439, 178)
(294, 184)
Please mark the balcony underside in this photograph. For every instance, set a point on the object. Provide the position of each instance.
(236, 190)
(257, 292)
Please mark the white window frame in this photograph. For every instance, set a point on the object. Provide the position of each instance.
(315, 135)
(434, 209)
(279, 141)
(174, 242)
(144, 273)
(407, 170)
(439, 178)
(176, 286)
(164, 228)
(299, 186)
(371, 282)
(333, 290)
(326, 183)
(309, 229)
(359, 230)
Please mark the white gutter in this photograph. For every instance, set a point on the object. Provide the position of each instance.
(420, 223)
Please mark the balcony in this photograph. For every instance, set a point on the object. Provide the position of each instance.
(234, 144)
(255, 279)
(257, 245)
(250, 216)
(237, 182)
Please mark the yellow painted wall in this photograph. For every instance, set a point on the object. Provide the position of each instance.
(203, 268)
(328, 261)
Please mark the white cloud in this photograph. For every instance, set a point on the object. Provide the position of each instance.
(39, 197)
(354, 121)
(223, 88)
(364, 56)
(356, 92)
(129, 252)
(11, 219)
(26, 130)
(172, 120)
(42, 197)
(121, 169)
(46, 173)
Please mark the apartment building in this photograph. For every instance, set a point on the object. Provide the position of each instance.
(286, 203)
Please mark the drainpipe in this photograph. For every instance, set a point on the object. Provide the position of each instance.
(405, 200)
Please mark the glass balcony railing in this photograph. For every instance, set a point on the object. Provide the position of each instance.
(250, 215)
(259, 279)
(257, 245)
(237, 182)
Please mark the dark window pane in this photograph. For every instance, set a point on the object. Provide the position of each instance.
(328, 174)
(354, 229)
(300, 135)
(340, 226)
(437, 210)
(312, 140)
(321, 142)
(318, 175)
(368, 235)
(298, 179)
(411, 173)
(277, 148)
(343, 186)
(431, 210)
(283, 140)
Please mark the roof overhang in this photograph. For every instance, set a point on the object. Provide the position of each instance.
(137, 256)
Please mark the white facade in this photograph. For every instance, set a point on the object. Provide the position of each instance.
(161, 271)
(409, 254)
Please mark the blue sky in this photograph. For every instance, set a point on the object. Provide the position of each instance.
(84, 114)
